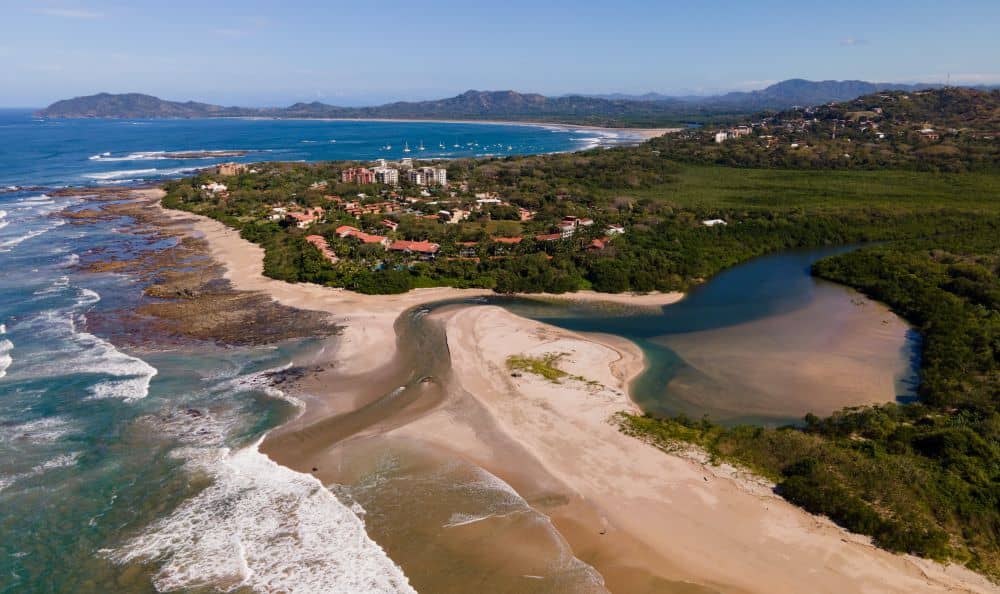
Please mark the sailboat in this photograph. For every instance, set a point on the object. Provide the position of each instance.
(406, 147)
(421, 147)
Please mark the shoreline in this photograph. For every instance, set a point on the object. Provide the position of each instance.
(638, 133)
(638, 514)
(622, 503)
(641, 134)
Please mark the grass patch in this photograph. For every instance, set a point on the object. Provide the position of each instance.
(544, 366)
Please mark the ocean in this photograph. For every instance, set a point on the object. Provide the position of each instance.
(135, 469)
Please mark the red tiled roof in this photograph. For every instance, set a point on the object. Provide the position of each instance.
(366, 238)
(510, 240)
(323, 247)
(549, 237)
(422, 247)
(599, 244)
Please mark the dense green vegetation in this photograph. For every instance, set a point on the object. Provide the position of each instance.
(659, 202)
(950, 129)
(923, 477)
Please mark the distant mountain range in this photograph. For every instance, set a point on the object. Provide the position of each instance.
(782, 95)
(612, 110)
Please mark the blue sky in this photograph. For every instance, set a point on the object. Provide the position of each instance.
(256, 52)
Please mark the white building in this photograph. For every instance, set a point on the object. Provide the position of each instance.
(215, 187)
(713, 222)
(721, 137)
(416, 176)
(387, 176)
(435, 176)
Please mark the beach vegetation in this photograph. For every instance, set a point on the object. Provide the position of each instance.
(544, 366)
(922, 477)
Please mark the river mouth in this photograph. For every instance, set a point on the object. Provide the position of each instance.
(763, 343)
(745, 348)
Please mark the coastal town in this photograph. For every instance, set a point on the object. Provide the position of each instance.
(405, 211)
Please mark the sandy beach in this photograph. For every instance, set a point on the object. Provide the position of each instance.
(654, 299)
(638, 133)
(648, 521)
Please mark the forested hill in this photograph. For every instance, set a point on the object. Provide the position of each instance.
(947, 129)
(471, 105)
(501, 105)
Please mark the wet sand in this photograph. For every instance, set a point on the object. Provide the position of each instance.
(648, 521)
(841, 349)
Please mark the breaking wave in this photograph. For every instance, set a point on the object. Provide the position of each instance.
(57, 462)
(132, 375)
(131, 175)
(265, 527)
(125, 377)
(44, 430)
(6, 359)
(196, 154)
(8, 244)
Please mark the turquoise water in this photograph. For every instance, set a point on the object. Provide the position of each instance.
(130, 470)
(127, 470)
(86, 152)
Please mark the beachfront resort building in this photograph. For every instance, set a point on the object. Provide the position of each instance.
(345, 231)
(424, 249)
(324, 248)
(428, 176)
(386, 176)
(357, 175)
(230, 169)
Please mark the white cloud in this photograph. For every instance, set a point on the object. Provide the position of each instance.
(71, 13)
(852, 41)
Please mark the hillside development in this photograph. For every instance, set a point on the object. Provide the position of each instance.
(665, 215)
(949, 129)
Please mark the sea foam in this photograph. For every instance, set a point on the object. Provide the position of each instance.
(265, 527)
(6, 359)
(132, 375)
(8, 244)
(83, 352)
(162, 155)
(61, 461)
(131, 175)
(44, 430)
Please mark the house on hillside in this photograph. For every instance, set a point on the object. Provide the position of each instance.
(425, 249)
(345, 231)
(302, 220)
(324, 248)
